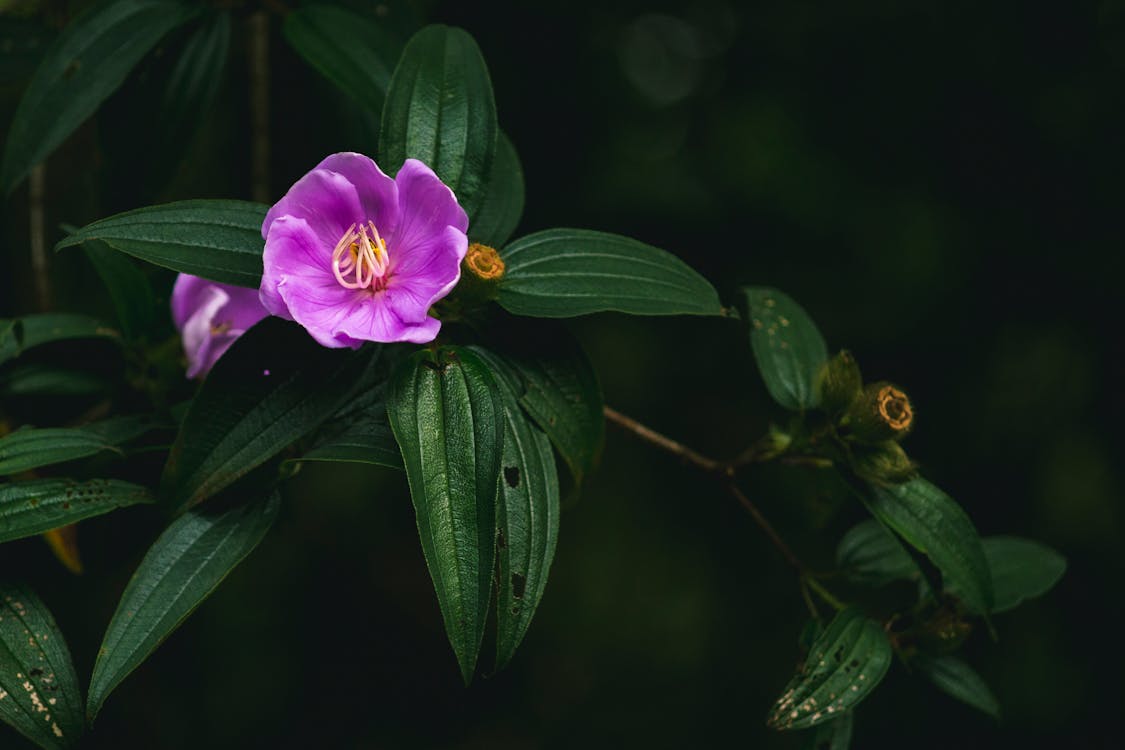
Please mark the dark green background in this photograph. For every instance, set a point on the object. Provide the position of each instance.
(938, 183)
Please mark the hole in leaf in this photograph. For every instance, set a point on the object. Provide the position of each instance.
(519, 581)
(512, 476)
(501, 542)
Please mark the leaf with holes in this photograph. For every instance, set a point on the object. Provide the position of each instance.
(184, 566)
(38, 505)
(956, 678)
(832, 735)
(843, 666)
(447, 414)
(788, 347)
(39, 693)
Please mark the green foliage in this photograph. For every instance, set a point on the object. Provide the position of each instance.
(843, 666)
(20, 334)
(39, 693)
(181, 569)
(38, 505)
(871, 555)
(87, 63)
(439, 109)
(129, 289)
(502, 205)
(195, 79)
(956, 678)
(832, 735)
(220, 240)
(31, 448)
(448, 416)
(361, 435)
(561, 273)
(788, 347)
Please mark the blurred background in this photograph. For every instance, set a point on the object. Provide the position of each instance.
(939, 184)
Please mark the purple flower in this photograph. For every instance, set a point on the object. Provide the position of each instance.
(355, 256)
(210, 316)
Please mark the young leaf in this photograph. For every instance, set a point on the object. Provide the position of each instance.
(956, 678)
(871, 555)
(272, 387)
(832, 735)
(844, 665)
(346, 48)
(220, 240)
(787, 346)
(38, 505)
(527, 517)
(128, 287)
(448, 416)
(440, 109)
(931, 522)
(502, 206)
(561, 273)
(39, 693)
(20, 334)
(87, 62)
(1021, 569)
(183, 567)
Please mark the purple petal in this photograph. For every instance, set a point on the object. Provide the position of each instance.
(293, 254)
(426, 206)
(326, 200)
(378, 193)
(210, 316)
(423, 273)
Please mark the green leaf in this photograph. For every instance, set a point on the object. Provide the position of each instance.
(88, 62)
(956, 678)
(38, 379)
(195, 79)
(561, 273)
(128, 287)
(39, 693)
(275, 385)
(502, 206)
(32, 507)
(20, 334)
(832, 735)
(447, 414)
(28, 449)
(183, 567)
(931, 522)
(220, 240)
(844, 665)
(364, 437)
(347, 48)
(560, 391)
(870, 555)
(440, 110)
(527, 516)
(787, 346)
(1021, 569)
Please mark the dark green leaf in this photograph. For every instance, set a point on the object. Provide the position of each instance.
(272, 387)
(787, 346)
(439, 109)
(183, 567)
(20, 334)
(931, 522)
(32, 507)
(38, 379)
(561, 273)
(1021, 569)
(195, 79)
(347, 48)
(364, 436)
(527, 516)
(844, 665)
(956, 678)
(87, 63)
(448, 416)
(500, 210)
(128, 287)
(39, 693)
(28, 449)
(218, 240)
(871, 555)
(832, 735)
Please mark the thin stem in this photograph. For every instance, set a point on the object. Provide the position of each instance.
(823, 593)
(767, 527)
(667, 444)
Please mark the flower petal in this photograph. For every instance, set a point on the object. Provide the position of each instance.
(425, 272)
(378, 193)
(326, 200)
(427, 207)
(294, 252)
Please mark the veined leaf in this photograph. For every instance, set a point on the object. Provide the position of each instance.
(220, 240)
(17, 335)
(843, 666)
(183, 567)
(788, 347)
(1021, 569)
(87, 62)
(31, 448)
(128, 287)
(956, 678)
(364, 437)
(40, 379)
(448, 415)
(561, 273)
(39, 693)
(439, 109)
(871, 555)
(272, 387)
(502, 206)
(195, 79)
(832, 735)
(38, 505)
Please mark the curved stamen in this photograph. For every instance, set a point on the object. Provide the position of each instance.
(360, 258)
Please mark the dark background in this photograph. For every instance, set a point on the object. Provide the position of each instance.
(938, 183)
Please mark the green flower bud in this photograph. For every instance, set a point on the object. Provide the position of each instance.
(883, 464)
(839, 383)
(882, 412)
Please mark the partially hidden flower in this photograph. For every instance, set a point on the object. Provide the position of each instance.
(355, 256)
(210, 316)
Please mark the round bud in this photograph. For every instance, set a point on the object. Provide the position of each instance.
(881, 412)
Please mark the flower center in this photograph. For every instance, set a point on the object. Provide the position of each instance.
(360, 258)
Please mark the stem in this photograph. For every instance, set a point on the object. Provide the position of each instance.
(823, 593)
(37, 235)
(667, 444)
(257, 50)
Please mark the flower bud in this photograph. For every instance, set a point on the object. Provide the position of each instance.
(883, 464)
(481, 272)
(882, 412)
(840, 383)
